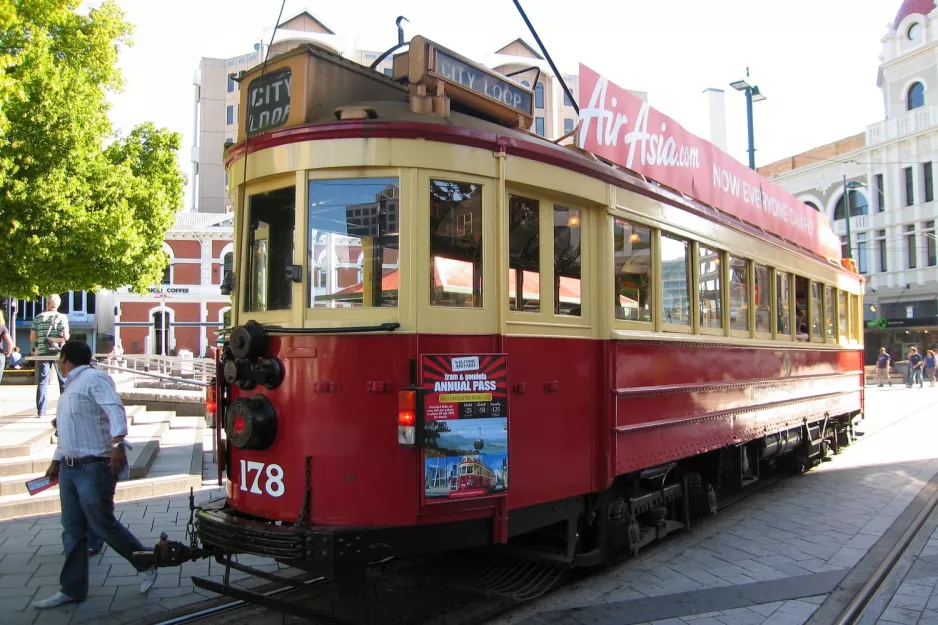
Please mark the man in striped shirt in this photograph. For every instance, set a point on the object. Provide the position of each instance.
(50, 324)
(89, 457)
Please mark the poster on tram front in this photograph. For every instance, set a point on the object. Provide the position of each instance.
(466, 425)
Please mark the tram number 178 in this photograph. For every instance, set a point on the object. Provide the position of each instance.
(273, 484)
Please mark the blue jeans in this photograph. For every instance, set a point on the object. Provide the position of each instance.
(3, 362)
(915, 375)
(87, 496)
(43, 367)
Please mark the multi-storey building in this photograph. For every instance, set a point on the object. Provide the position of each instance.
(886, 176)
(184, 310)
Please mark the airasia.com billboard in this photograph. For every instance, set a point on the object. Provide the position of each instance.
(621, 128)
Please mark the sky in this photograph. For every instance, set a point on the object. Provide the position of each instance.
(815, 60)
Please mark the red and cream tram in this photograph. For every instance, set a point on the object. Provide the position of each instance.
(420, 279)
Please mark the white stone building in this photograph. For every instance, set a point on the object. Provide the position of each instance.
(892, 228)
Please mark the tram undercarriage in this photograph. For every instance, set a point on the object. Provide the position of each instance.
(585, 531)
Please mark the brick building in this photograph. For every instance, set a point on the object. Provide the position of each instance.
(184, 310)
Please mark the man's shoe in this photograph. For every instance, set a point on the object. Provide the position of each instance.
(59, 598)
(149, 578)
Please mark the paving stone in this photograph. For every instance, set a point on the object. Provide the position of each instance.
(14, 580)
(766, 609)
(911, 602)
(741, 616)
(901, 615)
(798, 608)
(917, 590)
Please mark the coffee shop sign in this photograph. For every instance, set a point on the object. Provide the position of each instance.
(174, 290)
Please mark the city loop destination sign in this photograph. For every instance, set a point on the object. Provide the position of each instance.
(621, 128)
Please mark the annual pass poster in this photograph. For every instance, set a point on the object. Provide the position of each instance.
(466, 431)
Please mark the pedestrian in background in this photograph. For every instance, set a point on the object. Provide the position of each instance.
(882, 367)
(6, 344)
(89, 457)
(49, 332)
(916, 365)
(930, 366)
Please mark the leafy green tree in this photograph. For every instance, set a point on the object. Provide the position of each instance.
(80, 208)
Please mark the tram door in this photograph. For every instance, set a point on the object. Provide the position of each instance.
(466, 450)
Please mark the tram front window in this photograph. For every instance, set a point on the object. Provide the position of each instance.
(270, 251)
(455, 244)
(354, 243)
(524, 256)
(567, 261)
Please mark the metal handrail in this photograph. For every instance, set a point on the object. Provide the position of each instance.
(155, 375)
(96, 362)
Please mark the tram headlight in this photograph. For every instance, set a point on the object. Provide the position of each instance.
(251, 423)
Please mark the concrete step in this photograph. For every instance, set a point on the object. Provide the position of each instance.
(26, 464)
(166, 458)
(16, 484)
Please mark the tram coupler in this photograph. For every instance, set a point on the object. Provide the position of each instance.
(168, 553)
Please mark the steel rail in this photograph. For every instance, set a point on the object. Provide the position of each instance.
(855, 608)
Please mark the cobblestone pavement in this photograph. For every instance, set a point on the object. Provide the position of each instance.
(769, 559)
(824, 521)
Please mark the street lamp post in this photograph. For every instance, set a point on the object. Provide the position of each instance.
(752, 95)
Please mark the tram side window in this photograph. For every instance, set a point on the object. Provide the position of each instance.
(854, 319)
(270, 245)
(783, 303)
(842, 314)
(675, 269)
(455, 244)
(801, 309)
(739, 294)
(830, 311)
(567, 239)
(633, 277)
(761, 296)
(817, 319)
(524, 260)
(710, 288)
(353, 243)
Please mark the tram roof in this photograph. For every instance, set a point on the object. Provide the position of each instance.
(391, 116)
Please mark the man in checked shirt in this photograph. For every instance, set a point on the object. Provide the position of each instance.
(88, 459)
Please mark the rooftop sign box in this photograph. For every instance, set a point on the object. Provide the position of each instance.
(443, 72)
(617, 126)
(303, 86)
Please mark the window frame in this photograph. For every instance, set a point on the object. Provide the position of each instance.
(928, 182)
(792, 335)
(770, 273)
(843, 315)
(692, 294)
(829, 299)
(723, 272)
(242, 262)
(518, 322)
(880, 193)
(317, 316)
(811, 312)
(654, 283)
(909, 186)
(750, 299)
(442, 319)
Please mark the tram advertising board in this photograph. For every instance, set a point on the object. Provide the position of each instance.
(466, 425)
(620, 127)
